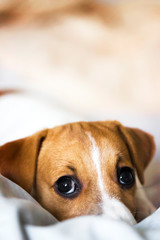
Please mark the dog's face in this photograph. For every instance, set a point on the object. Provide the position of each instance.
(81, 168)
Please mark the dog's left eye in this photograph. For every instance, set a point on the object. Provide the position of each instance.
(126, 177)
(67, 186)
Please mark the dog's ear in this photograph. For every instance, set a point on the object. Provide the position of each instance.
(18, 159)
(141, 147)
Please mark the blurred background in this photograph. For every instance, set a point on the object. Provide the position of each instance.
(80, 60)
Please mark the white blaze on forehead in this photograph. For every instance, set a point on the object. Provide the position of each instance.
(95, 153)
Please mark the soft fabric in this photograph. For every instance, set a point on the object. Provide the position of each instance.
(23, 218)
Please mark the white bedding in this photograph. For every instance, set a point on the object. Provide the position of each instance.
(21, 217)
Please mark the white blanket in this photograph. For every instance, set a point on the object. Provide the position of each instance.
(21, 217)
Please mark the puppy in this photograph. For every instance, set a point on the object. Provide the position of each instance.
(83, 168)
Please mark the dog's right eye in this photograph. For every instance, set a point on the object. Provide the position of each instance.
(67, 186)
(126, 177)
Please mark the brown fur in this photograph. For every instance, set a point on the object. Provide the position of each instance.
(7, 91)
(36, 162)
(48, 11)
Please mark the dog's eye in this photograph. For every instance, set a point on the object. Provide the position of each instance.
(67, 186)
(126, 177)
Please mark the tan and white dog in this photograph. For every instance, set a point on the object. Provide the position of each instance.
(83, 168)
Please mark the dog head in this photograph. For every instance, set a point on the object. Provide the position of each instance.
(81, 168)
